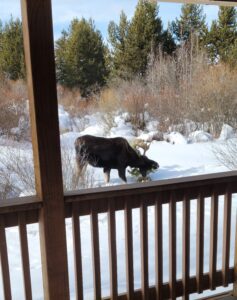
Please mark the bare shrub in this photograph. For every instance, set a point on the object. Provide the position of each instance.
(69, 170)
(186, 88)
(213, 98)
(73, 102)
(109, 105)
(12, 91)
(164, 78)
(14, 111)
(7, 188)
(16, 173)
(76, 106)
(135, 99)
(227, 154)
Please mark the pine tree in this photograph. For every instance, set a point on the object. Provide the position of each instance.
(222, 39)
(118, 39)
(191, 24)
(132, 42)
(80, 57)
(144, 36)
(12, 63)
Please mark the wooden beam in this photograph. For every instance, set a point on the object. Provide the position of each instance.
(39, 53)
(208, 2)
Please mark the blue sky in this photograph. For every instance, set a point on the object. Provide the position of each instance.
(101, 12)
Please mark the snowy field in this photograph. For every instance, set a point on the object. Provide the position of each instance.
(177, 158)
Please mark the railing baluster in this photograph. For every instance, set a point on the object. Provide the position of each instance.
(213, 239)
(4, 261)
(77, 251)
(25, 256)
(129, 250)
(172, 246)
(112, 251)
(158, 248)
(144, 251)
(186, 247)
(96, 254)
(235, 261)
(226, 236)
(200, 242)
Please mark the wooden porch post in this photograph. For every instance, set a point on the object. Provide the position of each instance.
(39, 53)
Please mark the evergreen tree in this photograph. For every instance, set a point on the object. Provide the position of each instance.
(118, 38)
(80, 57)
(191, 25)
(144, 36)
(168, 43)
(222, 39)
(132, 42)
(12, 63)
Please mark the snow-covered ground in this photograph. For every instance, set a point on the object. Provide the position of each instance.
(179, 157)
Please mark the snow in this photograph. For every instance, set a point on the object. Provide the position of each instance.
(178, 157)
(199, 136)
(64, 119)
(227, 132)
(175, 138)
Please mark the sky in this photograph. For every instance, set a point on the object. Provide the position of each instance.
(101, 11)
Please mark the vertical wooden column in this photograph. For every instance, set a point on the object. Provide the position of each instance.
(39, 53)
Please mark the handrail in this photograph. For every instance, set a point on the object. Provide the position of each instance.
(22, 211)
(20, 204)
(154, 186)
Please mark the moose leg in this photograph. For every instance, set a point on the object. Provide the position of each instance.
(107, 175)
(121, 172)
(80, 168)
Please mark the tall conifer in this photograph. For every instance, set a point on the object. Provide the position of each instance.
(12, 64)
(222, 39)
(191, 24)
(80, 57)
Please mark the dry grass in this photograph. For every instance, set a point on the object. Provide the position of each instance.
(16, 173)
(109, 105)
(73, 102)
(69, 170)
(14, 110)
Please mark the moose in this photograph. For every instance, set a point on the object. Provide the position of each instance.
(110, 153)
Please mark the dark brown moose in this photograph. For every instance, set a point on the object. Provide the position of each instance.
(110, 153)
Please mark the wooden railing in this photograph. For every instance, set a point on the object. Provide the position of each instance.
(125, 198)
(109, 200)
(17, 212)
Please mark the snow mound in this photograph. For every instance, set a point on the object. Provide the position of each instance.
(67, 139)
(93, 130)
(200, 136)
(227, 132)
(148, 137)
(175, 138)
(65, 121)
(122, 128)
(152, 125)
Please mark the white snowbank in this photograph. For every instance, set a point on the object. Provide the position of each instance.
(122, 128)
(175, 138)
(67, 139)
(147, 137)
(200, 136)
(65, 121)
(227, 132)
